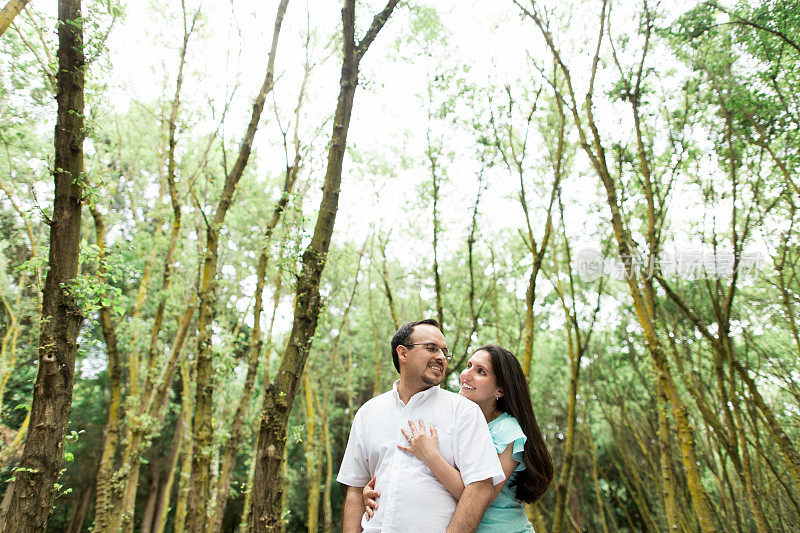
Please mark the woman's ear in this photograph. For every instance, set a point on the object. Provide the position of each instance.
(499, 394)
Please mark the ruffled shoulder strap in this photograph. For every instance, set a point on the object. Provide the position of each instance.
(505, 429)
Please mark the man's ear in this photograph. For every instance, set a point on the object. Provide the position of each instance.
(401, 353)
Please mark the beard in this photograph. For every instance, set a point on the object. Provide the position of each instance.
(427, 380)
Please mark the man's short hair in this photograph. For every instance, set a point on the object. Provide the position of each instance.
(403, 336)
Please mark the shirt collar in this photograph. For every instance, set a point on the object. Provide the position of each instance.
(418, 398)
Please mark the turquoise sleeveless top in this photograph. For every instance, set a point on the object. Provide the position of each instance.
(506, 513)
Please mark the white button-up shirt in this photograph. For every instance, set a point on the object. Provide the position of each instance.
(412, 499)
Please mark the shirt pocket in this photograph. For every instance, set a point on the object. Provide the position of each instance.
(446, 446)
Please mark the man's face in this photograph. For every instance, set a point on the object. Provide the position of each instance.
(418, 362)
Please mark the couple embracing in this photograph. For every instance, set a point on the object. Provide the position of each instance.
(422, 459)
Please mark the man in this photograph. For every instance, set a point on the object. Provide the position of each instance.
(411, 498)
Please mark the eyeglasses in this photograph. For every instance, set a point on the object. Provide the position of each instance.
(433, 348)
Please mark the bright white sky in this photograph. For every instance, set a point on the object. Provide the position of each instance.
(389, 113)
(229, 50)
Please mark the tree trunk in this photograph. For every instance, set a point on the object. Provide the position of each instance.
(577, 344)
(5, 503)
(387, 287)
(377, 345)
(52, 395)
(8, 453)
(668, 479)
(516, 162)
(9, 12)
(248, 493)
(76, 524)
(162, 508)
(152, 498)
(232, 445)
(750, 486)
(327, 510)
(111, 509)
(204, 395)
(279, 396)
(313, 472)
(186, 464)
(437, 281)
(596, 480)
(562, 487)
(8, 346)
(111, 431)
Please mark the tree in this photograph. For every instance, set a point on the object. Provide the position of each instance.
(265, 514)
(9, 11)
(641, 287)
(37, 475)
(202, 425)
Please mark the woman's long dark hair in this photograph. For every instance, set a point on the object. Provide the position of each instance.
(531, 483)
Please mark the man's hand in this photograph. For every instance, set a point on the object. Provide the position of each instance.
(473, 503)
(353, 510)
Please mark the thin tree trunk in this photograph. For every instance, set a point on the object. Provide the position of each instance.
(9, 12)
(569, 445)
(81, 509)
(111, 511)
(162, 508)
(637, 490)
(265, 515)
(596, 481)
(313, 472)
(377, 346)
(437, 281)
(8, 346)
(577, 343)
(186, 464)
(42, 455)
(387, 287)
(112, 427)
(750, 486)
(474, 312)
(534, 513)
(327, 510)
(232, 445)
(248, 493)
(153, 407)
(515, 163)
(5, 503)
(8, 453)
(204, 395)
(668, 479)
(433, 161)
(152, 499)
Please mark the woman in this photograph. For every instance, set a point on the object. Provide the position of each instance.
(494, 380)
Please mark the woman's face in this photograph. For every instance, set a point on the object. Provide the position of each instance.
(478, 381)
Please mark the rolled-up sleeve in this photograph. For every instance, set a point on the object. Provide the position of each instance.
(354, 470)
(475, 454)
